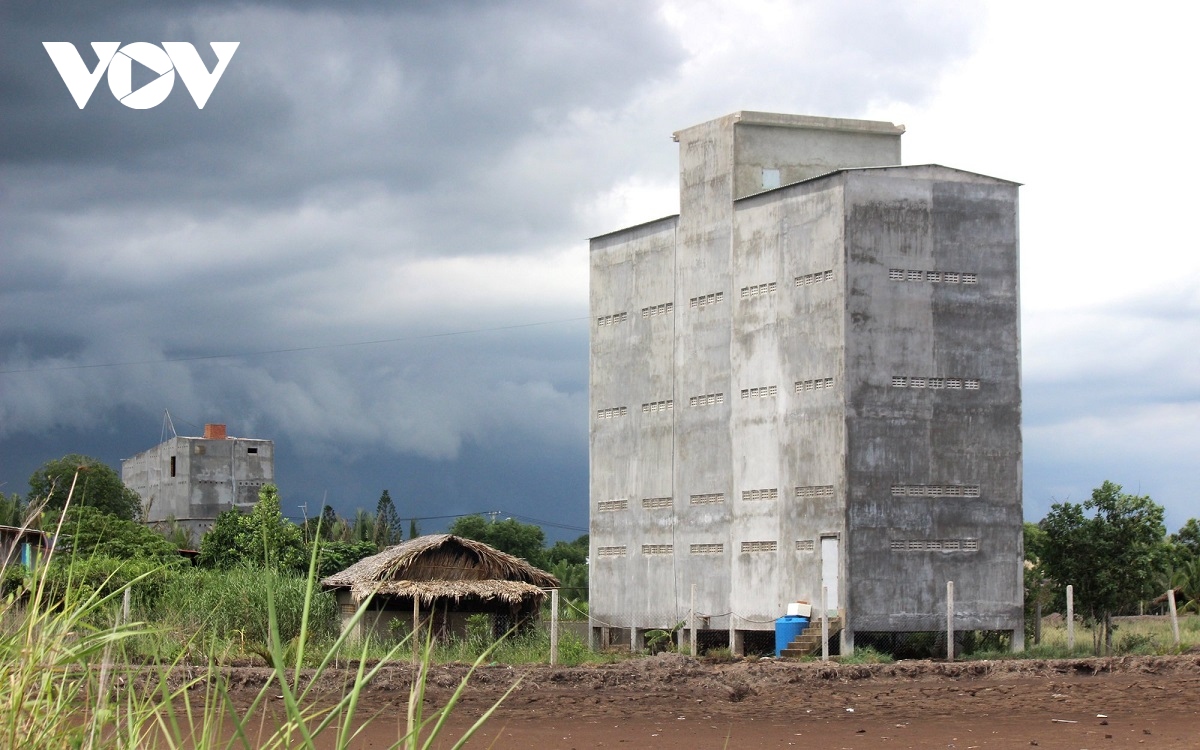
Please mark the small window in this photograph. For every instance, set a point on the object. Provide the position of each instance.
(252, 450)
(770, 179)
(172, 466)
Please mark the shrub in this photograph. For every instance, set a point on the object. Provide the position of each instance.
(866, 655)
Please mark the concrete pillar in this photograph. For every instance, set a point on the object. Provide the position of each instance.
(737, 642)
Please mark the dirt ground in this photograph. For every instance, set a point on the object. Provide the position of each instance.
(673, 701)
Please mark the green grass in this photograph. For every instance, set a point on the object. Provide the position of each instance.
(1139, 635)
(75, 675)
(866, 655)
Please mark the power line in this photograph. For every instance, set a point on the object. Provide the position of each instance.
(529, 519)
(292, 350)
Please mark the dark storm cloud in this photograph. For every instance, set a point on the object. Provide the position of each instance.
(367, 171)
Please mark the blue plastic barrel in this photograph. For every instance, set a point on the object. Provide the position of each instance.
(787, 629)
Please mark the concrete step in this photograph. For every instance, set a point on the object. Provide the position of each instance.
(809, 640)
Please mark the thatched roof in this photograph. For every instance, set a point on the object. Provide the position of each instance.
(443, 566)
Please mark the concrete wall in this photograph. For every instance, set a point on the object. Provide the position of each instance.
(703, 482)
(793, 441)
(785, 428)
(631, 450)
(935, 461)
(209, 477)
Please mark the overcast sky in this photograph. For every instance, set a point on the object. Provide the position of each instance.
(382, 214)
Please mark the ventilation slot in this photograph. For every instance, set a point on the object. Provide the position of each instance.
(935, 545)
(760, 546)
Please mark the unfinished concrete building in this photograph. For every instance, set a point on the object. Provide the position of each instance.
(808, 380)
(194, 479)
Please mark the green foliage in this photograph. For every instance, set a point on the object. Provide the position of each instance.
(661, 639)
(1034, 542)
(866, 655)
(1185, 579)
(413, 531)
(1139, 643)
(575, 552)
(719, 655)
(263, 537)
(1038, 595)
(13, 578)
(361, 528)
(88, 532)
(68, 581)
(97, 486)
(58, 671)
(12, 510)
(1188, 537)
(231, 605)
(326, 526)
(1185, 544)
(1112, 555)
(337, 556)
(179, 535)
(388, 530)
(518, 539)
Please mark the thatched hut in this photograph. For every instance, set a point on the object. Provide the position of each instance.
(446, 579)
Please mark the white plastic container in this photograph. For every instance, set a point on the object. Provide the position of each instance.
(799, 609)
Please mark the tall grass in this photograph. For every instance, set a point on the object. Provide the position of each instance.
(66, 680)
(1131, 635)
(225, 613)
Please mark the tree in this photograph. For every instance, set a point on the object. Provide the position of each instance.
(388, 530)
(575, 552)
(362, 528)
(1187, 541)
(518, 539)
(262, 537)
(567, 561)
(12, 510)
(90, 532)
(1037, 595)
(325, 526)
(413, 531)
(335, 556)
(96, 485)
(1112, 556)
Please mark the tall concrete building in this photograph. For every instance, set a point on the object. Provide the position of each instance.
(194, 479)
(808, 380)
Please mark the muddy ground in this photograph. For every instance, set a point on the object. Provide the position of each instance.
(673, 701)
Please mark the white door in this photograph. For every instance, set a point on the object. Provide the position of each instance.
(829, 571)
